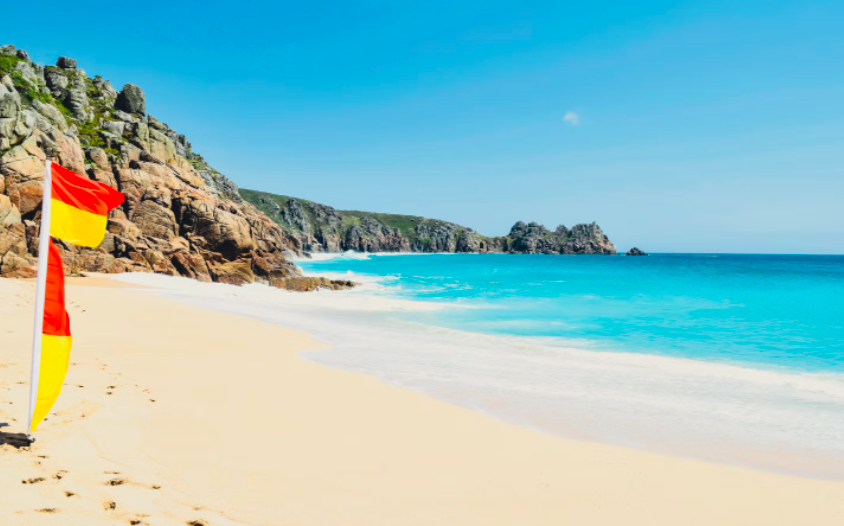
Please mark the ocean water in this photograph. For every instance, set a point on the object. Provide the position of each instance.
(754, 310)
(727, 358)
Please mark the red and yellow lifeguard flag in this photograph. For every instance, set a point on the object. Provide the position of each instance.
(55, 339)
(79, 207)
(77, 211)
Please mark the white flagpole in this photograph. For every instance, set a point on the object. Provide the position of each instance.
(40, 292)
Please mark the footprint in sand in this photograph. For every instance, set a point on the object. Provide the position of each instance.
(77, 411)
(109, 505)
(69, 493)
(35, 480)
(47, 510)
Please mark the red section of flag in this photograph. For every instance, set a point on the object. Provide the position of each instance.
(82, 193)
(56, 320)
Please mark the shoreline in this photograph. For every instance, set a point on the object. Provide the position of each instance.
(460, 368)
(243, 430)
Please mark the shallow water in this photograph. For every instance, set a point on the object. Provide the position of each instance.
(735, 359)
(750, 309)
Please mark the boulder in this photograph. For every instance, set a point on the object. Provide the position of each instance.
(34, 120)
(132, 100)
(103, 176)
(126, 117)
(94, 261)
(190, 265)
(66, 63)
(223, 231)
(14, 266)
(105, 91)
(156, 124)
(161, 146)
(635, 252)
(98, 156)
(18, 165)
(126, 231)
(70, 154)
(10, 104)
(13, 238)
(154, 218)
(51, 113)
(57, 82)
(115, 127)
(220, 185)
(27, 196)
(76, 101)
(9, 213)
(28, 73)
(237, 272)
(309, 284)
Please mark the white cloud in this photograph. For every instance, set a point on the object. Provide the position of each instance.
(571, 118)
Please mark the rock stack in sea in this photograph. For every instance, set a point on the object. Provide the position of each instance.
(635, 252)
(181, 217)
(321, 228)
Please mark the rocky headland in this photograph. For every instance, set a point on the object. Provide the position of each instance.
(321, 228)
(181, 216)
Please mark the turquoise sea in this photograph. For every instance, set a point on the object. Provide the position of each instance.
(728, 358)
(752, 310)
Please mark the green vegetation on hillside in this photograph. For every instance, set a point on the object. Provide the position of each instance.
(407, 225)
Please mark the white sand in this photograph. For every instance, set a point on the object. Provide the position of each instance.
(243, 431)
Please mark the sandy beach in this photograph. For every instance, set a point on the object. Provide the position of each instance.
(172, 415)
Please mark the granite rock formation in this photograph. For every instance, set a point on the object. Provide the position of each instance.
(181, 217)
(321, 228)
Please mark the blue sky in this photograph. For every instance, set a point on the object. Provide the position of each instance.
(706, 126)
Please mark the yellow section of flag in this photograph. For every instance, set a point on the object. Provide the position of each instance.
(75, 225)
(55, 356)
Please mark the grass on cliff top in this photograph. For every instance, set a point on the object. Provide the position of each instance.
(406, 224)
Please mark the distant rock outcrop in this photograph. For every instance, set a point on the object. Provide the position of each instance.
(635, 252)
(321, 228)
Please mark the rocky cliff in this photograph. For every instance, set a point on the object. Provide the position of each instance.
(321, 228)
(181, 217)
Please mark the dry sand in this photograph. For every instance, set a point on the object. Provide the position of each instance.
(172, 414)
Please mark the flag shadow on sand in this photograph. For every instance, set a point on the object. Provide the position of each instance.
(16, 440)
